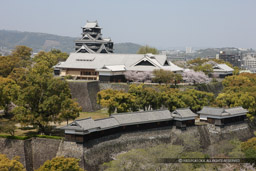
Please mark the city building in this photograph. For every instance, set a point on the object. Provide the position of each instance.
(189, 50)
(234, 59)
(249, 61)
(92, 41)
(222, 116)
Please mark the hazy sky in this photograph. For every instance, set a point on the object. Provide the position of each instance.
(159, 23)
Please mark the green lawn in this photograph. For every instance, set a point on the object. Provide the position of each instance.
(94, 115)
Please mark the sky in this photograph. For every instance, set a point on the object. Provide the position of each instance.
(164, 24)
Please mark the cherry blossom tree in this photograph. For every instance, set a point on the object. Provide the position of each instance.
(138, 76)
(190, 76)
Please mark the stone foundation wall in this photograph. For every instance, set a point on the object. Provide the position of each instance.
(116, 86)
(86, 94)
(36, 151)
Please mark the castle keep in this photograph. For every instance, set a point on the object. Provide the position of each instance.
(92, 41)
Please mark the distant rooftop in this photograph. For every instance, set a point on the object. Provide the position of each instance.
(91, 24)
(183, 113)
(222, 111)
(142, 117)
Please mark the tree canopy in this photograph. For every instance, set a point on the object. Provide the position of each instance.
(44, 99)
(164, 76)
(12, 165)
(20, 57)
(206, 65)
(7, 64)
(148, 98)
(116, 101)
(29, 85)
(239, 90)
(61, 164)
(22, 52)
(8, 93)
(147, 49)
(50, 58)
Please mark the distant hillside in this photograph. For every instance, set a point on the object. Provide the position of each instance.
(126, 47)
(37, 41)
(42, 41)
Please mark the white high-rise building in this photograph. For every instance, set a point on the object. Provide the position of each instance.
(189, 50)
(249, 61)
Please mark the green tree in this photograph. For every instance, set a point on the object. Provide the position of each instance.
(20, 57)
(197, 61)
(7, 64)
(171, 98)
(10, 165)
(177, 78)
(195, 99)
(8, 93)
(61, 164)
(147, 49)
(8, 127)
(200, 61)
(50, 58)
(243, 99)
(19, 76)
(106, 98)
(116, 101)
(206, 68)
(236, 71)
(69, 110)
(163, 76)
(146, 98)
(61, 56)
(249, 149)
(22, 52)
(44, 99)
(239, 90)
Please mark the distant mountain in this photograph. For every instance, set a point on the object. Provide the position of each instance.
(36, 41)
(126, 47)
(42, 41)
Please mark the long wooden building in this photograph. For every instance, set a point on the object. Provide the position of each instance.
(86, 129)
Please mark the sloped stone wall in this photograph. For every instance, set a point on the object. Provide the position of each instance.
(33, 152)
(71, 149)
(42, 150)
(86, 94)
(116, 86)
(13, 148)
